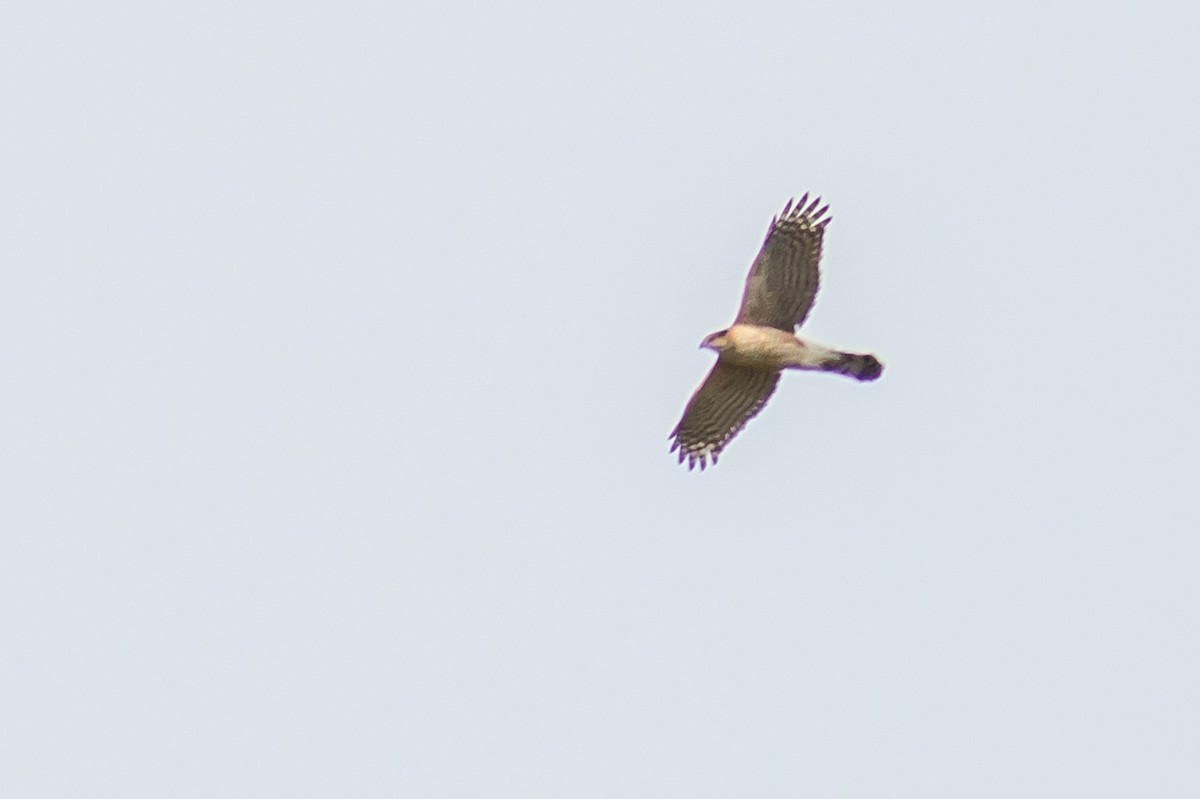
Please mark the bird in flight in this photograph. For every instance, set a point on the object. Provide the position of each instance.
(751, 353)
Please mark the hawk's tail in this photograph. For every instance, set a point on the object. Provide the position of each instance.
(860, 367)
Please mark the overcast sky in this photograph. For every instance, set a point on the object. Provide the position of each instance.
(341, 342)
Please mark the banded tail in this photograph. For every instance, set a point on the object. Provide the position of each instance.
(860, 367)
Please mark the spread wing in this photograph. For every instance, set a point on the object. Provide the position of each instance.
(728, 398)
(783, 280)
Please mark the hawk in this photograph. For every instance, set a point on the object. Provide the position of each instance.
(780, 290)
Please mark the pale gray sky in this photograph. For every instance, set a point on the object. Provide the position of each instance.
(341, 342)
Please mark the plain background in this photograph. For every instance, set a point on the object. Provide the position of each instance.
(341, 342)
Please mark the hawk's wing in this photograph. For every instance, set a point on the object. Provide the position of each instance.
(783, 280)
(728, 398)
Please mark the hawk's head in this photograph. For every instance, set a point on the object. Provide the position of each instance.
(717, 342)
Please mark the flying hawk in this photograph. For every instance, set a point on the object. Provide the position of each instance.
(761, 342)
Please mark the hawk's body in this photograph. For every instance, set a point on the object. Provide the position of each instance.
(760, 347)
(780, 290)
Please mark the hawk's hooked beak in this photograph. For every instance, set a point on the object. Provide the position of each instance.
(707, 344)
